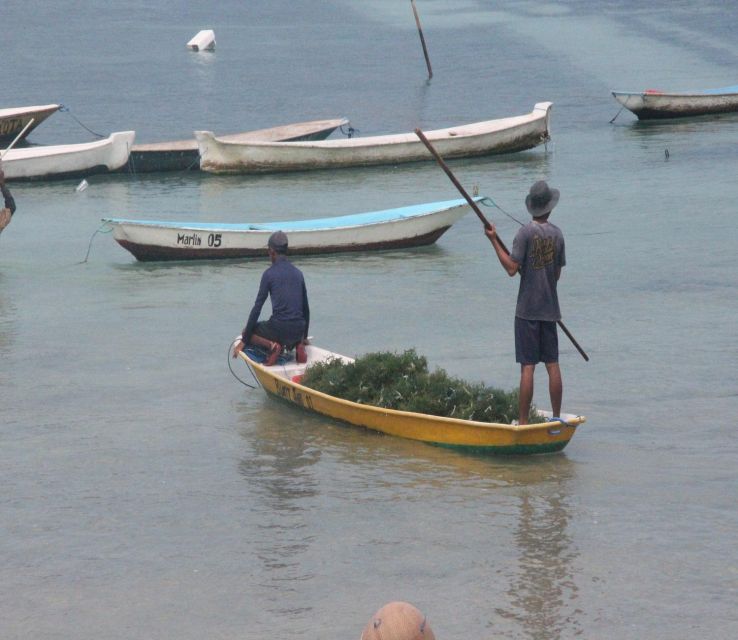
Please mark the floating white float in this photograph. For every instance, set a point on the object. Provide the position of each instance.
(203, 41)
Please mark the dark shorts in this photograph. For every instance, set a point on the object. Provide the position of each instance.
(536, 341)
(287, 334)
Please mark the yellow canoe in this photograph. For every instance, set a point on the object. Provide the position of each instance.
(283, 381)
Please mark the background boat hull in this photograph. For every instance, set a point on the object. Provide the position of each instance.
(149, 242)
(664, 106)
(511, 135)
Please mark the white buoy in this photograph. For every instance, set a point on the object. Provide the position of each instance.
(203, 41)
(82, 186)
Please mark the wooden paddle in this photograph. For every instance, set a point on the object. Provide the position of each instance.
(484, 220)
(18, 137)
(422, 40)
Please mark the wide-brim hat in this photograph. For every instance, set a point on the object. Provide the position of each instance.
(541, 199)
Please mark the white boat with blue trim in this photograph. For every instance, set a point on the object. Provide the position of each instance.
(654, 104)
(504, 135)
(410, 226)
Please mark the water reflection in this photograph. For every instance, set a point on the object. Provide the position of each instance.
(7, 313)
(697, 124)
(403, 481)
(535, 595)
(542, 594)
(684, 132)
(280, 477)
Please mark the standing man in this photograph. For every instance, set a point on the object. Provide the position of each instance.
(538, 255)
(288, 325)
(6, 213)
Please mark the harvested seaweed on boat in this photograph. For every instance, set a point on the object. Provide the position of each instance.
(403, 382)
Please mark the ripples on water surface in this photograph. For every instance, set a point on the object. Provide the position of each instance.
(147, 494)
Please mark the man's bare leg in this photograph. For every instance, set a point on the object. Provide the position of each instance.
(555, 386)
(526, 391)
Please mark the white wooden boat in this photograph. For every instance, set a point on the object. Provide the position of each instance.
(182, 154)
(505, 135)
(284, 382)
(654, 104)
(411, 226)
(14, 119)
(69, 160)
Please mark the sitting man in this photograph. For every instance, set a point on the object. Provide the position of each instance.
(288, 325)
(6, 213)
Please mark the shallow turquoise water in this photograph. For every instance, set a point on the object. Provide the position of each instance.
(148, 494)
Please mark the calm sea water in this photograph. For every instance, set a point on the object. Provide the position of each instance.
(147, 494)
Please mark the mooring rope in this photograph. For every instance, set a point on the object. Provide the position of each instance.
(103, 228)
(131, 164)
(66, 109)
(617, 114)
(192, 164)
(243, 382)
(621, 108)
(487, 201)
(349, 132)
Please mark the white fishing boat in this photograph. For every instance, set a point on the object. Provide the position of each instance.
(504, 135)
(182, 154)
(410, 226)
(69, 160)
(655, 104)
(13, 120)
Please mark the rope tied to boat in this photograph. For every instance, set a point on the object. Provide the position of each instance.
(105, 227)
(620, 110)
(617, 114)
(488, 202)
(349, 132)
(228, 358)
(66, 109)
(196, 161)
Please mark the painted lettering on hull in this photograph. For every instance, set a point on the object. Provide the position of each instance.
(195, 240)
(294, 395)
(11, 125)
(189, 240)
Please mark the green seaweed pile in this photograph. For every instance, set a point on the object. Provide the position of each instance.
(403, 382)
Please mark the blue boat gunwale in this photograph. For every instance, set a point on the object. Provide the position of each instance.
(311, 224)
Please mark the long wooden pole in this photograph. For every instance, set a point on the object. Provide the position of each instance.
(18, 137)
(422, 40)
(484, 220)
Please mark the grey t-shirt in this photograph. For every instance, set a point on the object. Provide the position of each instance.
(539, 250)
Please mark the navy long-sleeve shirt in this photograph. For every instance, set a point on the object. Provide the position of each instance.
(285, 284)
(9, 202)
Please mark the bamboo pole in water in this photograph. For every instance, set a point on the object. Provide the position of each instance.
(422, 40)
